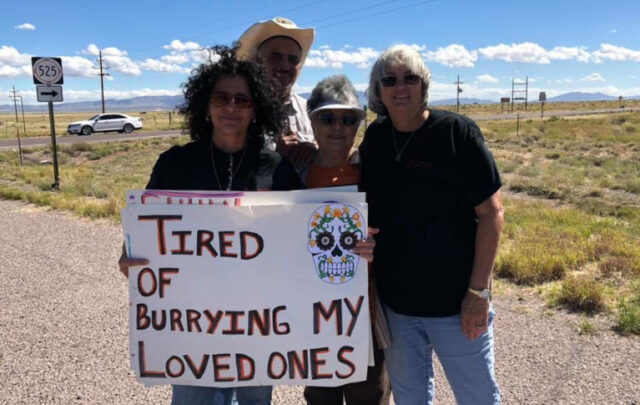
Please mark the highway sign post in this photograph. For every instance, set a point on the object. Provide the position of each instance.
(47, 75)
(542, 97)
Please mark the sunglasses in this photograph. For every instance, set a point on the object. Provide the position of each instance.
(409, 80)
(221, 99)
(348, 120)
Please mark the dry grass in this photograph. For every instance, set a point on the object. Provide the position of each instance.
(37, 124)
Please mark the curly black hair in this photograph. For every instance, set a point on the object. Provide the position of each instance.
(270, 115)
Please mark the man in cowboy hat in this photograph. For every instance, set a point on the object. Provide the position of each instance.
(282, 48)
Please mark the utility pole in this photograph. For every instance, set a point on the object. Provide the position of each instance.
(24, 124)
(102, 75)
(14, 97)
(458, 91)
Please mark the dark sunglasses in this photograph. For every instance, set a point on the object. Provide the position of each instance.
(221, 99)
(348, 120)
(409, 80)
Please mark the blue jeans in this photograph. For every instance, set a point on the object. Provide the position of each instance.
(468, 364)
(192, 395)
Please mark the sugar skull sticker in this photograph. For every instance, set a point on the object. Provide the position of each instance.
(334, 230)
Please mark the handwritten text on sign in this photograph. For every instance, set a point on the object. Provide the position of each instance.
(258, 295)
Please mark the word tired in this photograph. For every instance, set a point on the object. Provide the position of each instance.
(251, 244)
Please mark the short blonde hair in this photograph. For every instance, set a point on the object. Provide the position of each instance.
(397, 55)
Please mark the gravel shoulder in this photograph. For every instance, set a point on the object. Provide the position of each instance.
(63, 328)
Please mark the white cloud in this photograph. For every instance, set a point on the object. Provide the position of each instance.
(10, 56)
(526, 52)
(569, 53)
(123, 65)
(486, 79)
(177, 45)
(115, 59)
(175, 58)
(113, 51)
(12, 71)
(362, 58)
(25, 26)
(91, 49)
(616, 54)
(452, 56)
(77, 66)
(613, 31)
(593, 77)
(160, 66)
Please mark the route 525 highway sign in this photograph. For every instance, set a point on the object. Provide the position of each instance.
(47, 70)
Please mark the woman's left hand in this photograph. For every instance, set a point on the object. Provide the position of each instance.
(364, 247)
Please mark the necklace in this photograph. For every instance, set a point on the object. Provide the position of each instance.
(395, 145)
(232, 173)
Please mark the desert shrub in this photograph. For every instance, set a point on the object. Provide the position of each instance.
(530, 268)
(536, 190)
(618, 120)
(628, 321)
(81, 147)
(582, 295)
(618, 265)
(585, 327)
(529, 171)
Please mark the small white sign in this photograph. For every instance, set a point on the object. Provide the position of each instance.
(47, 70)
(49, 93)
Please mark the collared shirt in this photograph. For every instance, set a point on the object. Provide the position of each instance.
(299, 121)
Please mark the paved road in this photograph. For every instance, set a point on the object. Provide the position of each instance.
(63, 329)
(111, 136)
(69, 139)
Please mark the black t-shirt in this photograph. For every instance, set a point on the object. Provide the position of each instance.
(424, 206)
(191, 167)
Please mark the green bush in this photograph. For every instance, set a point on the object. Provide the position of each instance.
(628, 321)
(581, 295)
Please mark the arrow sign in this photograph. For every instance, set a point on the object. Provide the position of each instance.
(49, 93)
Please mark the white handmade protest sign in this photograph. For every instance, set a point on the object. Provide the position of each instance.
(248, 295)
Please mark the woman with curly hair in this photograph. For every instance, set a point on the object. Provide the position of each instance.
(230, 108)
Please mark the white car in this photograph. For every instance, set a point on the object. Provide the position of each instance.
(105, 123)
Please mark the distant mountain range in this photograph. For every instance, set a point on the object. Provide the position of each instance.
(164, 103)
(452, 101)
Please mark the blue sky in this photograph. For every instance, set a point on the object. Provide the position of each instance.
(151, 46)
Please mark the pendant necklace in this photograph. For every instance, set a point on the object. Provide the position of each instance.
(232, 173)
(395, 145)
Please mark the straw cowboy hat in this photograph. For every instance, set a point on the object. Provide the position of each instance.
(279, 26)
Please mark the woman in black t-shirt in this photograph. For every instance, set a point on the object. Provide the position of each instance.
(433, 190)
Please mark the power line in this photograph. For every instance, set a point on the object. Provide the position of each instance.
(350, 20)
